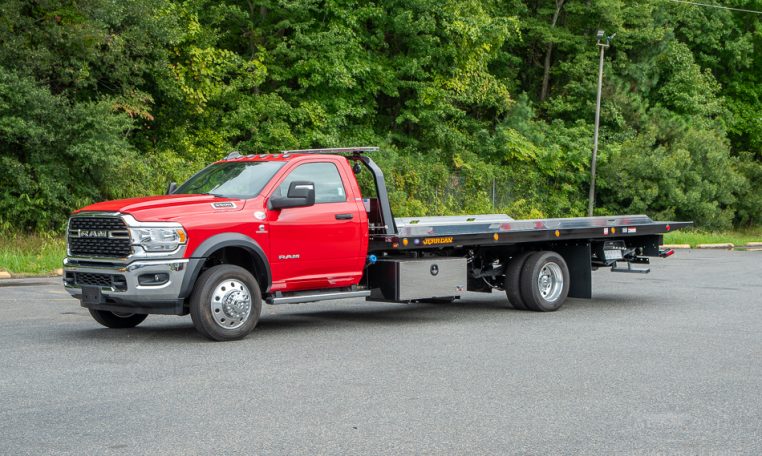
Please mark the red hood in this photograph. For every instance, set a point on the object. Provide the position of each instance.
(166, 207)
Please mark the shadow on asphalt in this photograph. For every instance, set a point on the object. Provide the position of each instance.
(395, 314)
(356, 316)
(180, 333)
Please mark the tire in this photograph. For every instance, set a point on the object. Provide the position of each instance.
(226, 303)
(117, 320)
(544, 282)
(512, 283)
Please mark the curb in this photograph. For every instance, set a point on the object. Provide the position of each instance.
(7, 275)
(676, 246)
(753, 244)
(727, 246)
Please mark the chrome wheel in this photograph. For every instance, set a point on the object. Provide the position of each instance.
(550, 282)
(231, 303)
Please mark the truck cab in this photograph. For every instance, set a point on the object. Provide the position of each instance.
(279, 223)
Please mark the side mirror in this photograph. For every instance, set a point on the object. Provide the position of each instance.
(300, 193)
(171, 188)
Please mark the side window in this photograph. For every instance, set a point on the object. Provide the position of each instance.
(328, 185)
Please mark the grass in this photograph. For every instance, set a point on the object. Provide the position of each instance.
(694, 237)
(23, 255)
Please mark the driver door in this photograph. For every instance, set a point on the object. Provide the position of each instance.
(318, 246)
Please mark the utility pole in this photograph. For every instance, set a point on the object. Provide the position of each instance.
(603, 46)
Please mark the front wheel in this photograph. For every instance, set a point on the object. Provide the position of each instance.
(117, 320)
(226, 303)
(544, 281)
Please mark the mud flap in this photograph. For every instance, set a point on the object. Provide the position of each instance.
(578, 258)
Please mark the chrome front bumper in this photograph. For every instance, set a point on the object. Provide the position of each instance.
(128, 292)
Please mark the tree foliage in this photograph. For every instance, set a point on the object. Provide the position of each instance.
(480, 105)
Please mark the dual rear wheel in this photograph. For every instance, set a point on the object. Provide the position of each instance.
(537, 281)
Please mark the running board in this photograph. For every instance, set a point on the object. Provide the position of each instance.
(299, 298)
(630, 269)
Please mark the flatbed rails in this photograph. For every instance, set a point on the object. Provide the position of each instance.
(480, 230)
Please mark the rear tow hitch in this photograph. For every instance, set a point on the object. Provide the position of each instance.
(630, 269)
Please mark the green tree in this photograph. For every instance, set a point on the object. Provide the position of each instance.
(56, 155)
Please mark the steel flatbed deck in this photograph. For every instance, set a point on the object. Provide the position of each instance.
(498, 229)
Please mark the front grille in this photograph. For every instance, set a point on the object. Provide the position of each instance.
(116, 243)
(93, 279)
(97, 223)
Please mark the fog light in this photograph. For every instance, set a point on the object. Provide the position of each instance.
(119, 283)
(153, 279)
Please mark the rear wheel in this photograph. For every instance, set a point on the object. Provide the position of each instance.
(544, 282)
(512, 282)
(117, 320)
(226, 303)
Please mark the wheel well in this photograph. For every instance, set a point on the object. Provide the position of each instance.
(242, 257)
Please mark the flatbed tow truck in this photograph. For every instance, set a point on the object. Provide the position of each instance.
(294, 227)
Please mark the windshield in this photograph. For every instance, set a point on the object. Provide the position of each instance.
(231, 179)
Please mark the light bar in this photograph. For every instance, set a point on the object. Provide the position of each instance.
(335, 150)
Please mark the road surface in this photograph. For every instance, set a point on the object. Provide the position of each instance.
(665, 363)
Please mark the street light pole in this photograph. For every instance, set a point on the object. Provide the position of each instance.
(603, 46)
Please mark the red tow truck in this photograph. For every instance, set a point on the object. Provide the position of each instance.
(294, 227)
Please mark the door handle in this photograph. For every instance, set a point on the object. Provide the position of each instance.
(344, 216)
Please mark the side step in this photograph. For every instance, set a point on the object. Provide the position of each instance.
(630, 269)
(312, 296)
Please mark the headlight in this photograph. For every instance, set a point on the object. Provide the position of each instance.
(158, 239)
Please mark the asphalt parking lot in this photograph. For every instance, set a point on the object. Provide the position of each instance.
(665, 363)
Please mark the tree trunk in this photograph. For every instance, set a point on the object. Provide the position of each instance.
(252, 32)
(549, 52)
